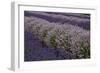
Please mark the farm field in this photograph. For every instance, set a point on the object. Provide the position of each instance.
(56, 36)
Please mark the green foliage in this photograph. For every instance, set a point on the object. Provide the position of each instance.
(84, 50)
(53, 41)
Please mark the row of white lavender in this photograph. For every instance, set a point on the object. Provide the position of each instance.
(66, 37)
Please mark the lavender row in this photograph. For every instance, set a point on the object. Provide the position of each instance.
(71, 18)
(65, 36)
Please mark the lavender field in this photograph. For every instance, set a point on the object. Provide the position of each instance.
(56, 36)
